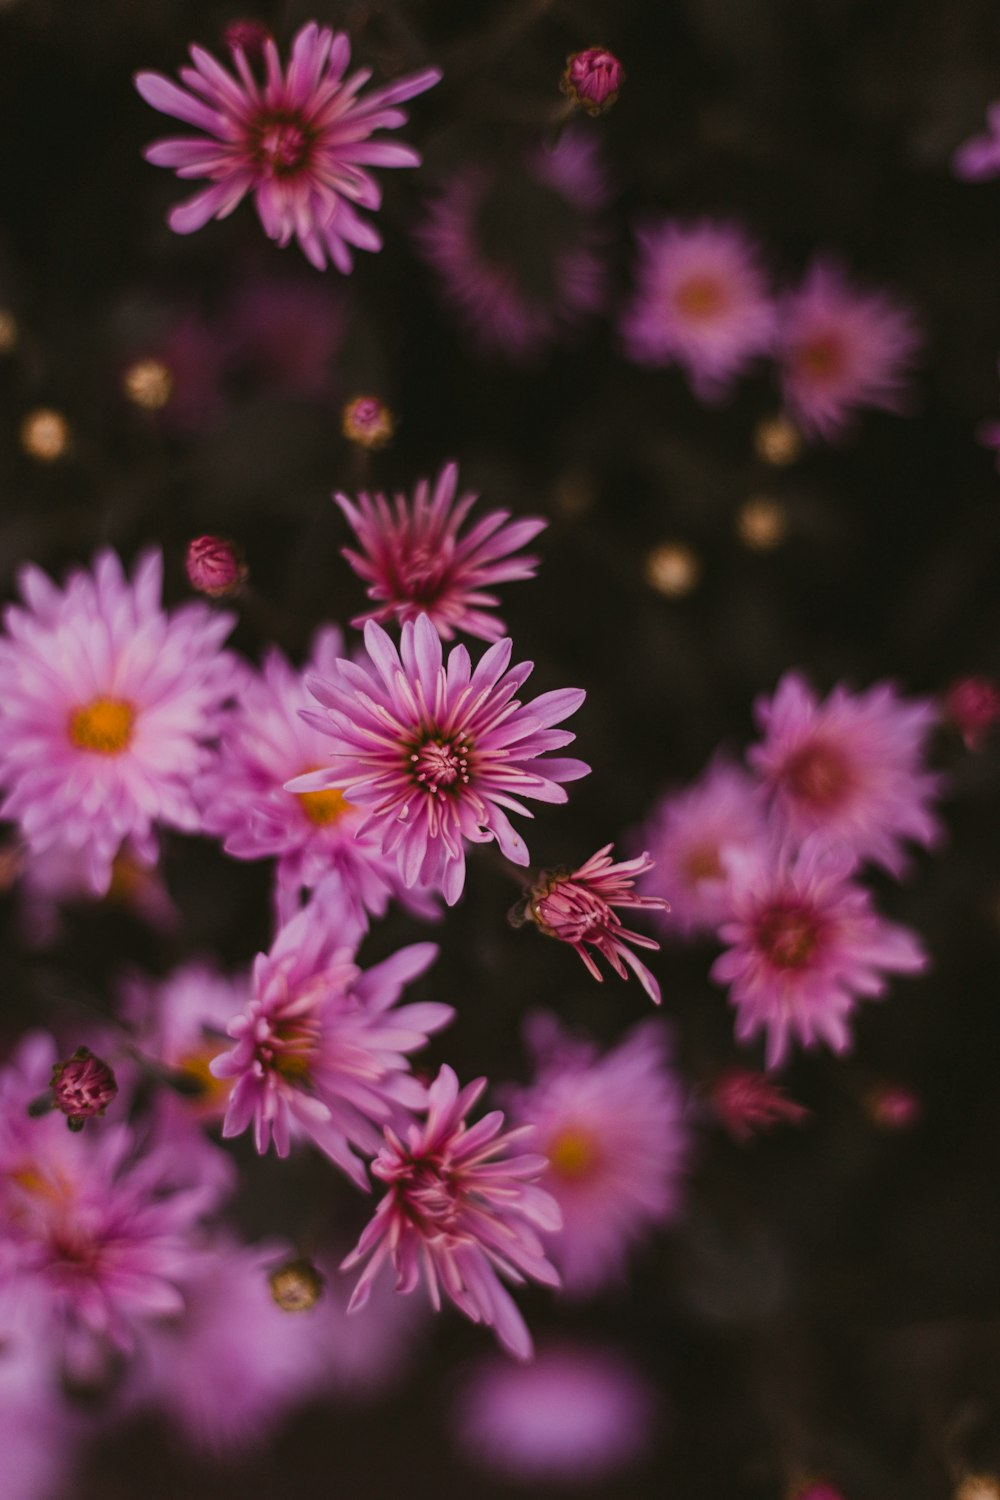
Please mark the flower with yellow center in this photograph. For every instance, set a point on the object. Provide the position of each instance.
(573, 1153)
(323, 807)
(104, 726)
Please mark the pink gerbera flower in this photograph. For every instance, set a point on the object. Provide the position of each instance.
(804, 946)
(415, 562)
(702, 301)
(850, 768)
(437, 753)
(460, 1213)
(299, 141)
(108, 703)
(840, 347)
(613, 1129)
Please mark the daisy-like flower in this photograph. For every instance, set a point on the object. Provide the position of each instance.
(415, 561)
(436, 753)
(108, 703)
(702, 300)
(321, 1047)
(300, 141)
(460, 1213)
(850, 768)
(804, 945)
(978, 159)
(518, 293)
(578, 908)
(840, 347)
(613, 1130)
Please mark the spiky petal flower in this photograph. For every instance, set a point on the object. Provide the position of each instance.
(841, 347)
(416, 561)
(436, 753)
(804, 945)
(461, 1212)
(578, 908)
(299, 141)
(107, 705)
(850, 768)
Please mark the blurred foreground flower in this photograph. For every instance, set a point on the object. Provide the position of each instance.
(747, 1103)
(978, 159)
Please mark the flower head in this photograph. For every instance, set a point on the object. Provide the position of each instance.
(702, 301)
(299, 141)
(747, 1103)
(593, 79)
(83, 1086)
(840, 347)
(416, 561)
(850, 768)
(214, 567)
(973, 706)
(978, 159)
(108, 703)
(436, 753)
(179, 1023)
(461, 1212)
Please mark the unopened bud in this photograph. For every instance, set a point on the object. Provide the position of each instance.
(593, 79)
(296, 1286)
(83, 1086)
(367, 422)
(215, 567)
(249, 36)
(973, 706)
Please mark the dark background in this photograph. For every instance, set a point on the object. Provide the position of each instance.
(831, 1297)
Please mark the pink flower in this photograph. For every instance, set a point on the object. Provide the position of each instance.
(612, 1127)
(748, 1103)
(179, 1025)
(299, 142)
(593, 79)
(108, 703)
(978, 159)
(60, 877)
(841, 347)
(973, 706)
(437, 753)
(519, 294)
(460, 1213)
(850, 768)
(321, 1048)
(575, 1415)
(578, 908)
(283, 332)
(415, 560)
(804, 945)
(371, 1350)
(702, 301)
(215, 567)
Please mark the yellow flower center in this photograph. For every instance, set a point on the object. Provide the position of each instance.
(325, 806)
(212, 1091)
(703, 863)
(700, 298)
(104, 726)
(573, 1153)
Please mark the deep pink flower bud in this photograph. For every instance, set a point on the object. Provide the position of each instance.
(592, 79)
(367, 422)
(894, 1107)
(972, 704)
(747, 1102)
(82, 1086)
(248, 35)
(215, 567)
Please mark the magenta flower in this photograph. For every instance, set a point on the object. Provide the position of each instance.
(840, 347)
(321, 1047)
(850, 768)
(215, 567)
(437, 753)
(978, 159)
(416, 562)
(578, 908)
(460, 1213)
(748, 1103)
(702, 300)
(804, 945)
(613, 1130)
(593, 79)
(108, 703)
(299, 141)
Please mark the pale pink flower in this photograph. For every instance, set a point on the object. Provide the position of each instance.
(416, 561)
(60, 877)
(461, 1212)
(299, 141)
(365, 1353)
(841, 347)
(804, 944)
(702, 300)
(748, 1103)
(180, 1024)
(437, 753)
(978, 159)
(851, 768)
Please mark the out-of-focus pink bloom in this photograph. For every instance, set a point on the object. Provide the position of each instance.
(840, 347)
(804, 945)
(978, 159)
(181, 1023)
(850, 768)
(593, 79)
(748, 1103)
(214, 567)
(460, 1213)
(283, 332)
(689, 833)
(82, 1086)
(321, 1048)
(416, 561)
(973, 705)
(59, 877)
(894, 1107)
(194, 352)
(612, 1127)
(368, 422)
(108, 704)
(519, 292)
(299, 141)
(39, 1433)
(702, 300)
(575, 1415)
(578, 908)
(435, 754)
(367, 1352)
(248, 35)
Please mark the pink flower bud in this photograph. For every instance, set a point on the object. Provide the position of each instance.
(747, 1102)
(973, 706)
(82, 1086)
(214, 567)
(248, 35)
(367, 422)
(592, 79)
